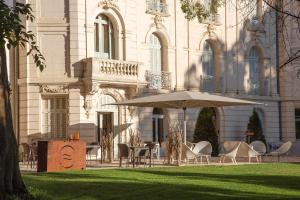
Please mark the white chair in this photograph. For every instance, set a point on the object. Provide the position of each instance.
(252, 153)
(282, 150)
(188, 154)
(203, 149)
(190, 144)
(230, 154)
(259, 147)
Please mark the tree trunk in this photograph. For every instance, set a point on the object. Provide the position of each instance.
(10, 176)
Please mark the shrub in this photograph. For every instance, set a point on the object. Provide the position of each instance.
(254, 126)
(205, 129)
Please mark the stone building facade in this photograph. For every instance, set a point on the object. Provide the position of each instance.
(103, 51)
(290, 76)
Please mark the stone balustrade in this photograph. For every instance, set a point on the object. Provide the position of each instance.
(111, 71)
(154, 7)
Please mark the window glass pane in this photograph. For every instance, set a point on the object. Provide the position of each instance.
(297, 121)
(55, 117)
(208, 68)
(96, 38)
(105, 38)
(155, 54)
(254, 72)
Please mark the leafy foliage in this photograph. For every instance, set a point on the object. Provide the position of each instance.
(254, 126)
(205, 129)
(14, 33)
(200, 8)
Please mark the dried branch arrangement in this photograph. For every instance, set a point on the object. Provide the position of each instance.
(135, 138)
(107, 145)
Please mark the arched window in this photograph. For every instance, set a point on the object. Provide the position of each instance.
(155, 54)
(208, 68)
(104, 38)
(254, 85)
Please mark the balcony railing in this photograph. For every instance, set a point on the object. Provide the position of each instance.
(106, 70)
(158, 81)
(213, 18)
(156, 7)
(207, 83)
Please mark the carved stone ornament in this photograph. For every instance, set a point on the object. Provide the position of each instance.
(210, 29)
(158, 20)
(61, 89)
(92, 89)
(106, 4)
(88, 104)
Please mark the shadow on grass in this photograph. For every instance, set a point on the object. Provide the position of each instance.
(275, 181)
(157, 183)
(137, 190)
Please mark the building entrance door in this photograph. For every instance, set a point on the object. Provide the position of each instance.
(105, 127)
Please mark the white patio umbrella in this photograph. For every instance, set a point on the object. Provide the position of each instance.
(184, 100)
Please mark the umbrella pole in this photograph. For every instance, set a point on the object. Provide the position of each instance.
(184, 125)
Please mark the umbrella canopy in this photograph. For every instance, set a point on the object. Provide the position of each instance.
(183, 100)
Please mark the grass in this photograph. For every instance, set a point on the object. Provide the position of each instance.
(264, 181)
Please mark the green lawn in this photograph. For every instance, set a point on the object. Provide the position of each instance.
(264, 181)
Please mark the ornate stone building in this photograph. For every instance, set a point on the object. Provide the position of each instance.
(290, 76)
(103, 51)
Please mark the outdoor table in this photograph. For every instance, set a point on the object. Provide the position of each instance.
(134, 148)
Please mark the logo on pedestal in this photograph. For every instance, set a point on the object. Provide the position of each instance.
(67, 156)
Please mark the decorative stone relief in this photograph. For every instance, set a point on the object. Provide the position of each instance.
(158, 20)
(113, 92)
(62, 89)
(210, 29)
(90, 90)
(106, 4)
(88, 104)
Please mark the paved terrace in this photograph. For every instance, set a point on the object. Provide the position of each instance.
(214, 161)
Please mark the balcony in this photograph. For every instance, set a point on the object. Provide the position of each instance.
(158, 81)
(213, 19)
(155, 7)
(110, 71)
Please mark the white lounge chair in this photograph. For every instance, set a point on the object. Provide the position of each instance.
(230, 154)
(188, 154)
(259, 147)
(203, 149)
(252, 153)
(282, 150)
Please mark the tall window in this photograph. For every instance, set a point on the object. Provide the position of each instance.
(54, 124)
(208, 70)
(297, 121)
(254, 85)
(155, 54)
(104, 38)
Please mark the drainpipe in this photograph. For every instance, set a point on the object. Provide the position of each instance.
(175, 17)
(237, 48)
(188, 41)
(85, 27)
(17, 96)
(278, 71)
(226, 52)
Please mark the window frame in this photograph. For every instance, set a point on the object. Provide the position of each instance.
(60, 130)
(208, 80)
(104, 38)
(256, 69)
